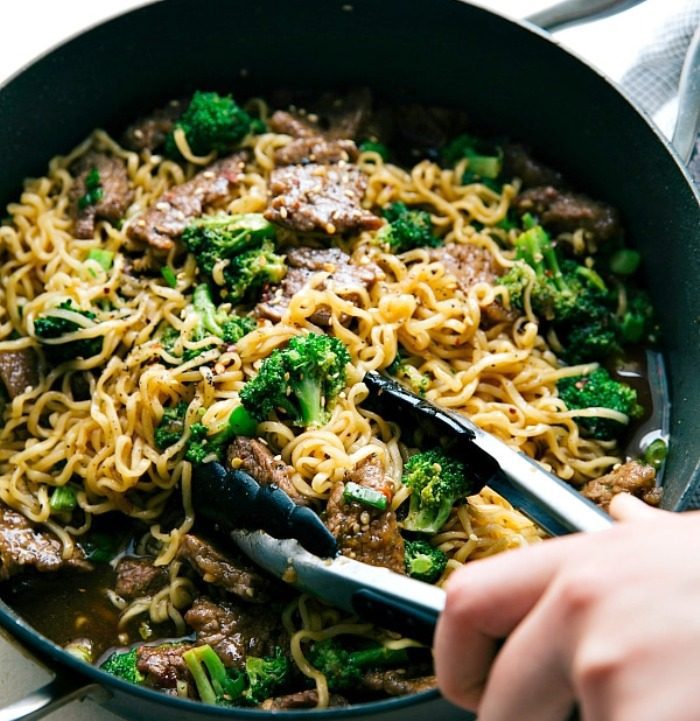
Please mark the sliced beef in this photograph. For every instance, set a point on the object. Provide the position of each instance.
(495, 313)
(137, 577)
(115, 194)
(164, 222)
(469, 264)
(363, 533)
(294, 124)
(302, 264)
(301, 699)
(163, 665)
(24, 547)
(396, 682)
(631, 477)
(564, 212)
(256, 459)
(226, 571)
(19, 370)
(149, 133)
(425, 128)
(519, 163)
(331, 116)
(321, 198)
(316, 150)
(236, 631)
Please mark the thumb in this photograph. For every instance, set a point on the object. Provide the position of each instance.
(626, 507)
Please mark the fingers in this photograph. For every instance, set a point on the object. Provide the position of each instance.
(486, 600)
(625, 507)
(528, 680)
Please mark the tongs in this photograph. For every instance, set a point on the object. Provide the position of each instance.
(296, 547)
(293, 544)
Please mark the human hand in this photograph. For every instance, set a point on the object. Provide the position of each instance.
(609, 621)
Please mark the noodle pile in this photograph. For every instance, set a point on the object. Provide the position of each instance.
(504, 378)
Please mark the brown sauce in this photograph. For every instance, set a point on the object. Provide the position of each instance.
(66, 606)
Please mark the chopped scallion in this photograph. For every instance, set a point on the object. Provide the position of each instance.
(625, 261)
(169, 275)
(655, 453)
(63, 499)
(242, 423)
(104, 258)
(366, 496)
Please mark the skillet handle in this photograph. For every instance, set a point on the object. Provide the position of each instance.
(574, 11)
(685, 132)
(65, 687)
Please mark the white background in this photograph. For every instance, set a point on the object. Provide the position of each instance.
(31, 27)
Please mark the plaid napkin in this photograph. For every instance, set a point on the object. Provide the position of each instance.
(652, 81)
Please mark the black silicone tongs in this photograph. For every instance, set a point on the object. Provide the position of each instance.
(550, 502)
(292, 543)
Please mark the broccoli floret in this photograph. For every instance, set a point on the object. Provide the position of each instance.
(485, 159)
(303, 379)
(570, 296)
(638, 323)
(343, 668)
(123, 665)
(590, 340)
(599, 390)
(215, 683)
(213, 238)
(407, 228)
(50, 326)
(211, 122)
(562, 291)
(212, 321)
(266, 676)
(248, 272)
(202, 444)
(436, 482)
(409, 375)
(171, 426)
(423, 561)
(375, 147)
(245, 241)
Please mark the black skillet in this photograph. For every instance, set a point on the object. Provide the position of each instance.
(510, 77)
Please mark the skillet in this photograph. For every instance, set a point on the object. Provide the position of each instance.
(510, 77)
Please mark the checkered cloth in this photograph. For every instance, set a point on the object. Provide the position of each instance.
(652, 81)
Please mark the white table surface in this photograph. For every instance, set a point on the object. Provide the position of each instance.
(30, 27)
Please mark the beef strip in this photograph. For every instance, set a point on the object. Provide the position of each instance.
(236, 631)
(301, 699)
(330, 116)
(519, 163)
(163, 665)
(631, 477)
(302, 264)
(322, 198)
(19, 370)
(231, 573)
(469, 264)
(363, 533)
(564, 212)
(256, 459)
(137, 577)
(394, 682)
(149, 133)
(316, 150)
(424, 128)
(165, 221)
(23, 547)
(116, 193)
